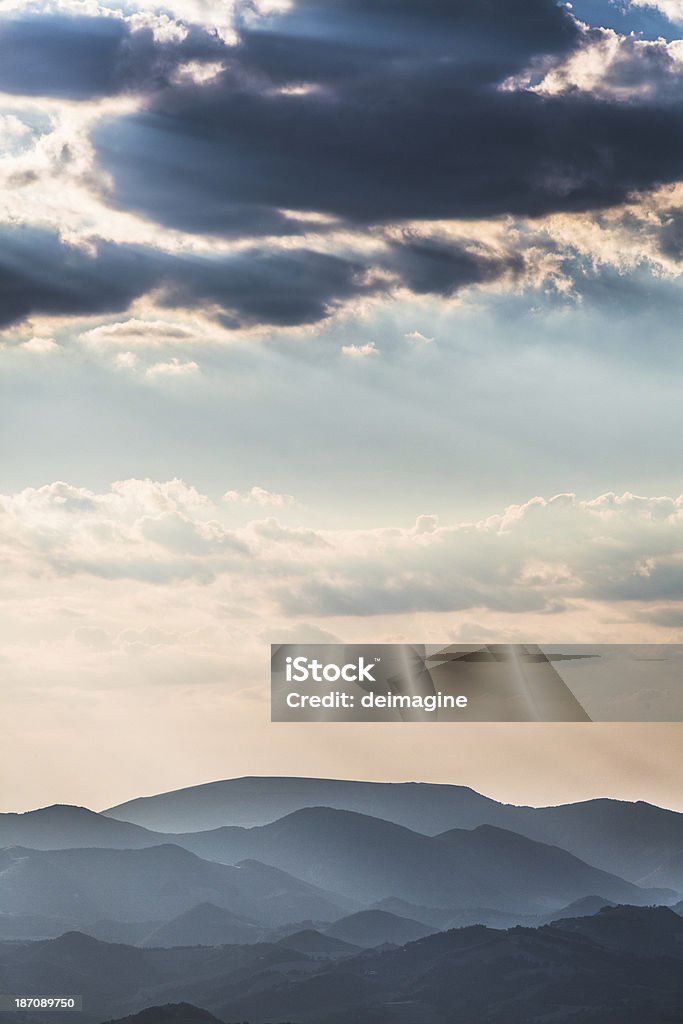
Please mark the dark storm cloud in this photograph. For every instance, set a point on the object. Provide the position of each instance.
(329, 40)
(441, 152)
(38, 274)
(432, 266)
(82, 58)
(403, 117)
(41, 275)
(284, 288)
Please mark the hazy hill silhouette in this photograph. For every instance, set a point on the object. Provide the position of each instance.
(155, 883)
(493, 977)
(378, 927)
(366, 858)
(604, 969)
(585, 907)
(172, 1013)
(204, 925)
(259, 800)
(119, 980)
(636, 841)
(646, 931)
(128, 932)
(63, 826)
(317, 863)
(311, 941)
(633, 840)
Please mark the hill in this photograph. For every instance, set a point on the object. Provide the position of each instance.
(377, 928)
(315, 943)
(367, 859)
(632, 840)
(644, 931)
(157, 883)
(172, 1013)
(203, 925)
(585, 907)
(622, 966)
(494, 977)
(63, 826)
(120, 981)
(259, 800)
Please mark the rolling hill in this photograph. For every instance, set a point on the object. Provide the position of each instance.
(63, 826)
(315, 943)
(203, 925)
(369, 928)
(260, 800)
(367, 859)
(637, 841)
(593, 969)
(155, 883)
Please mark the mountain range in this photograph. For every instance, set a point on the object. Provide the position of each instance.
(637, 841)
(160, 882)
(323, 901)
(623, 965)
(65, 867)
(316, 863)
(633, 840)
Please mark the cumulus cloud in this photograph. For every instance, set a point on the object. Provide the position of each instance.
(173, 368)
(139, 529)
(417, 338)
(360, 351)
(612, 67)
(40, 345)
(258, 496)
(671, 9)
(125, 360)
(539, 557)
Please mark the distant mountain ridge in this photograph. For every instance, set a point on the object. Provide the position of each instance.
(318, 863)
(366, 858)
(159, 882)
(637, 841)
(48, 828)
(259, 800)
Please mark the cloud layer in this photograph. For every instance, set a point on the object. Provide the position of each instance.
(315, 154)
(538, 557)
(289, 123)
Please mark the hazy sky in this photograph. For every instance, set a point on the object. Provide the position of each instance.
(332, 319)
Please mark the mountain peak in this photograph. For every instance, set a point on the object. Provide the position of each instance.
(58, 811)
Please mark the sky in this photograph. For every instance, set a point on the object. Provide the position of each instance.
(332, 320)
